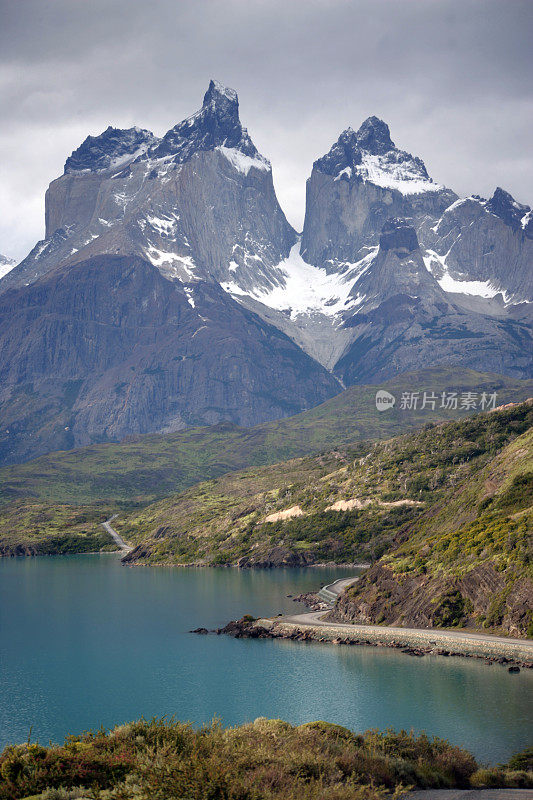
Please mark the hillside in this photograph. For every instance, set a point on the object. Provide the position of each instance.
(32, 528)
(467, 560)
(417, 496)
(153, 466)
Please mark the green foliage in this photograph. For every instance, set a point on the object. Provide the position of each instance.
(522, 760)
(518, 495)
(340, 535)
(262, 760)
(450, 610)
(28, 527)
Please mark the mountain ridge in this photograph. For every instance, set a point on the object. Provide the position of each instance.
(198, 207)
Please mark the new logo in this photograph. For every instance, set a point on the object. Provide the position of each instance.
(384, 400)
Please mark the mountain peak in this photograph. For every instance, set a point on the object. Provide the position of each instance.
(109, 149)
(374, 136)
(216, 124)
(217, 92)
(504, 206)
(343, 155)
(370, 155)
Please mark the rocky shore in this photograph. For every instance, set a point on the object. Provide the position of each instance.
(419, 643)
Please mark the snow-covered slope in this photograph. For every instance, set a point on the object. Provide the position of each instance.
(483, 248)
(6, 265)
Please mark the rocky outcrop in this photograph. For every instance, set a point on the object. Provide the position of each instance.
(430, 601)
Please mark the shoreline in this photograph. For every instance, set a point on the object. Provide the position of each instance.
(200, 565)
(411, 641)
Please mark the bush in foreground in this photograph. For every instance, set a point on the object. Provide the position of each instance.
(164, 759)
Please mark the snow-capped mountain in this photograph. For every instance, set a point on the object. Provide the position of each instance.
(483, 248)
(198, 204)
(170, 289)
(362, 181)
(6, 265)
(476, 254)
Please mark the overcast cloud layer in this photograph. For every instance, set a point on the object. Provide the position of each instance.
(452, 78)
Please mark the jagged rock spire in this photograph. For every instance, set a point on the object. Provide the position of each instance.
(503, 205)
(217, 123)
(374, 136)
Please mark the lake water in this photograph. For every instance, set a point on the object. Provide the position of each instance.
(86, 642)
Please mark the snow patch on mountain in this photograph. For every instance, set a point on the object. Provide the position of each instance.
(305, 289)
(390, 172)
(171, 264)
(479, 288)
(190, 298)
(242, 162)
(6, 265)
(436, 265)
(165, 226)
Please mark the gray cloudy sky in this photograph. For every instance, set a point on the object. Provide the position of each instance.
(451, 77)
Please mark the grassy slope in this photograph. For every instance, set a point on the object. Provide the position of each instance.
(155, 465)
(262, 760)
(468, 559)
(222, 521)
(29, 527)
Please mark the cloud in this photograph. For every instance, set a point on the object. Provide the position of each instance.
(451, 77)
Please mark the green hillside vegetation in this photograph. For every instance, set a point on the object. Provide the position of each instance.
(468, 559)
(152, 466)
(223, 521)
(262, 760)
(389, 485)
(31, 528)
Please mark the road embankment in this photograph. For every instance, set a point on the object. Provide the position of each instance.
(413, 641)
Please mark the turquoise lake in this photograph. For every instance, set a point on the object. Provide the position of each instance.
(86, 642)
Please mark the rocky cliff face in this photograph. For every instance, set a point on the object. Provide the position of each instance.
(402, 318)
(107, 348)
(483, 248)
(432, 601)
